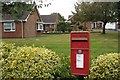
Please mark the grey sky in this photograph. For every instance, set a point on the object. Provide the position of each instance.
(64, 7)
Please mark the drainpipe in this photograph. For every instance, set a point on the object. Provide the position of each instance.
(22, 29)
(95, 24)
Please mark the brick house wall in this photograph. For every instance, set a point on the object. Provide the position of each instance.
(0, 30)
(57, 20)
(14, 34)
(86, 24)
(30, 25)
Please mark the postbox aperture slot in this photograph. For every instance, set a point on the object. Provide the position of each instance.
(79, 39)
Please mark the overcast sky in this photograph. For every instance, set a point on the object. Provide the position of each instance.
(64, 7)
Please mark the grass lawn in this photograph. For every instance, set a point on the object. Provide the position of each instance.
(60, 43)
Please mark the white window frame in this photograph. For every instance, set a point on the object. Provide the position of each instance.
(39, 26)
(11, 27)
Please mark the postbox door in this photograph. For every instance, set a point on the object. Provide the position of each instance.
(80, 62)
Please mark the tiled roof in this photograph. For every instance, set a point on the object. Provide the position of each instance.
(49, 18)
(9, 17)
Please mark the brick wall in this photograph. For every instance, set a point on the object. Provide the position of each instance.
(87, 24)
(57, 22)
(30, 25)
(57, 19)
(0, 30)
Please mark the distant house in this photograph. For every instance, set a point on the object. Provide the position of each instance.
(50, 22)
(88, 25)
(29, 24)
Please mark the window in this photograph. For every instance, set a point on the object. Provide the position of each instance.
(39, 26)
(9, 26)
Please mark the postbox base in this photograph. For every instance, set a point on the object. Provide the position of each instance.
(79, 74)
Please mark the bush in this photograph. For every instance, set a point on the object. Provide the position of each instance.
(69, 29)
(82, 28)
(63, 26)
(64, 69)
(28, 62)
(105, 67)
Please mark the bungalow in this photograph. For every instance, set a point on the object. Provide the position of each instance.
(50, 22)
(29, 24)
(88, 25)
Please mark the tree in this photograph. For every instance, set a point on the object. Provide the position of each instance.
(62, 26)
(39, 3)
(61, 18)
(16, 7)
(96, 11)
(118, 15)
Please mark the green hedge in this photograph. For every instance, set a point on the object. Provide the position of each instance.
(106, 67)
(28, 62)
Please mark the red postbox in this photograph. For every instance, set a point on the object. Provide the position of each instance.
(80, 52)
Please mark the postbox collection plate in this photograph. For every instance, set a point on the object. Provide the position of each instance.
(79, 61)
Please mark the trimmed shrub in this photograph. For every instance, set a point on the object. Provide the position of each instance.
(105, 67)
(28, 62)
(6, 49)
